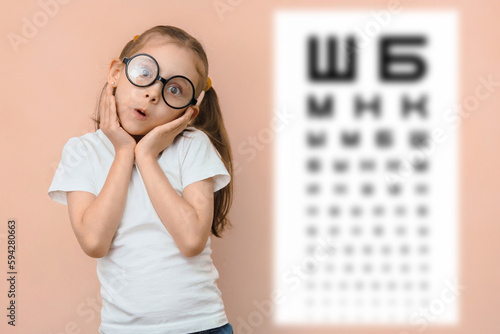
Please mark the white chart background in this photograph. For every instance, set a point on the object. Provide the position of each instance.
(339, 290)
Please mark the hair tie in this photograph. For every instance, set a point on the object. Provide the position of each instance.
(208, 84)
(135, 37)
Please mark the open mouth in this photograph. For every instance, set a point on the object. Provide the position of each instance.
(141, 115)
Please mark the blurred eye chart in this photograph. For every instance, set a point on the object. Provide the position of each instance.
(366, 173)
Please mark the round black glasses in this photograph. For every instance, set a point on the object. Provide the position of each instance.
(142, 70)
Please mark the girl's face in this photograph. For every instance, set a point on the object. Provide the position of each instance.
(172, 60)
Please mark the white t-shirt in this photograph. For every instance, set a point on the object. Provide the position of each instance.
(147, 285)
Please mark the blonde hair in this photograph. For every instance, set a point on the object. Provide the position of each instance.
(209, 119)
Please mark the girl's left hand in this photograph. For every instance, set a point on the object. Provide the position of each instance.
(162, 136)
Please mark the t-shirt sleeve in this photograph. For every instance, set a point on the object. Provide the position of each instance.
(201, 161)
(73, 172)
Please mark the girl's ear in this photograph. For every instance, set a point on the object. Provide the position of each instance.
(114, 71)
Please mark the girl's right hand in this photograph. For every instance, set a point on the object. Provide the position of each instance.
(121, 140)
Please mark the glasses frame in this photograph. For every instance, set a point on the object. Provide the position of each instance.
(126, 61)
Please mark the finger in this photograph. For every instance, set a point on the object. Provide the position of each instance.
(105, 115)
(102, 106)
(173, 126)
(181, 120)
(184, 120)
(189, 115)
(112, 110)
(109, 119)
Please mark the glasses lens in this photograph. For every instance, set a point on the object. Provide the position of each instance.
(142, 70)
(178, 92)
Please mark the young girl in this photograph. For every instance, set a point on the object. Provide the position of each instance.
(149, 186)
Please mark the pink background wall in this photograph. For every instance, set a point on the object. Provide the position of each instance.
(49, 90)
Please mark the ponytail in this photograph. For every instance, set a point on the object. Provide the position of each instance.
(210, 121)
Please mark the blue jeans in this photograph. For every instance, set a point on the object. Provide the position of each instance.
(226, 329)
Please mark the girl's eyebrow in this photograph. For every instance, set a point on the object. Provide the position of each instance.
(174, 74)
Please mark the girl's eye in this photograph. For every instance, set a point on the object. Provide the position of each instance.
(174, 90)
(144, 72)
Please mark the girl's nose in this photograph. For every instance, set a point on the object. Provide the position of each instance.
(153, 98)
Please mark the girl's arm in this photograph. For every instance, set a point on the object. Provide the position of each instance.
(188, 218)
(95, 219)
